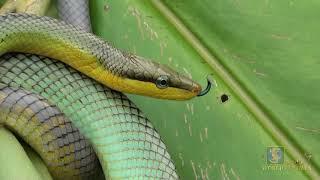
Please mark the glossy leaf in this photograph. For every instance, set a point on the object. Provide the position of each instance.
(263, 56)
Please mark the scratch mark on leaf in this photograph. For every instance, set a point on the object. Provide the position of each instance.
(281, 37)
(207, 174)
(259, 73)
(185, 118)
(144, 27)
(191, 109)
(209, 164)
(239, 58)
(223, 172)
(190, 130)
(162, 46)
(181, 158)
(134, 12)
(206, 133)
(308, 129)
(155, 35)
(202, 174)
(187, 72)
(234, 174)
(194, 170)
(203, 177)
(188, 107)
(215, 83)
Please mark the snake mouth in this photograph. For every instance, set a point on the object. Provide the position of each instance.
(207, 89)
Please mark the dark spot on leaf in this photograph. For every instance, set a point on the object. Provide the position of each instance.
(224, 98)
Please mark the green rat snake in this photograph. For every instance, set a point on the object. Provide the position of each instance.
(125, 142)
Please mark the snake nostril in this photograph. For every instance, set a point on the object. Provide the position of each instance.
(197, 89)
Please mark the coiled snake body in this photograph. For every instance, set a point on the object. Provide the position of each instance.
(42, 125)
(124, 140)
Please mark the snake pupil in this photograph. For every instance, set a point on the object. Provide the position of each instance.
(162, 82)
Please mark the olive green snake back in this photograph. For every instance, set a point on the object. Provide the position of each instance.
(125, 141)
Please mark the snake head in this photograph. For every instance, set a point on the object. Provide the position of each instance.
(148, 78)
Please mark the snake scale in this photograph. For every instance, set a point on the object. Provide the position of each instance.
(42, 125)
(75, 12)
(126, 143)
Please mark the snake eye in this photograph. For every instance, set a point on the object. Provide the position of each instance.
(162, 82)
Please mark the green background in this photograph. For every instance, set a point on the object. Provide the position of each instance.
(262, 54)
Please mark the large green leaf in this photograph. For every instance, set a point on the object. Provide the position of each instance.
(263, 55)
